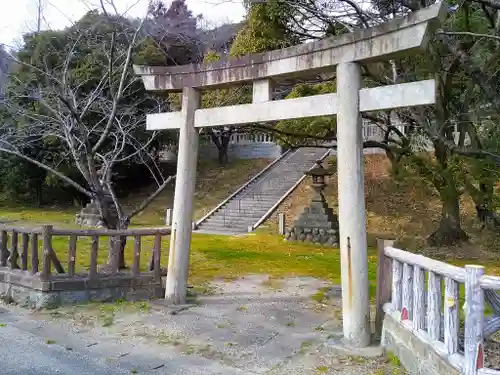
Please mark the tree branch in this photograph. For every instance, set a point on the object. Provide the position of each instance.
(48, 169)
(151, 198)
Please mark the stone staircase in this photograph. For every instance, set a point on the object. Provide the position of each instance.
(252, 202)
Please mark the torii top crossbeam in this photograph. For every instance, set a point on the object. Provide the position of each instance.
(386, 41)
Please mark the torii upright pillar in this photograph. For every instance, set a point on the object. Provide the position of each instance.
(351, 201)
(180, 238)
(400, 36)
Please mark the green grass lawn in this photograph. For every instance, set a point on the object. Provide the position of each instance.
(229, 257)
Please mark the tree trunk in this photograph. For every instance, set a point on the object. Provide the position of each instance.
(223, 155)
(116, 251)
(221, 140)
(39, 193)
(449, 231)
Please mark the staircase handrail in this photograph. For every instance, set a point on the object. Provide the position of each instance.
(257, 194)
(249, 193)
(269, 166)
(283, 197)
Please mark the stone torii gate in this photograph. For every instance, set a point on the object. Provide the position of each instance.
(389, 40)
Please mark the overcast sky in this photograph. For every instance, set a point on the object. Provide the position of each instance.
(20, 15)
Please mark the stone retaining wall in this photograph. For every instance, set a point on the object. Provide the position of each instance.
(329, 237)
(32, 292)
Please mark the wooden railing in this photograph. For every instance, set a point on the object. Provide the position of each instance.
(402, 292)
(25, 255)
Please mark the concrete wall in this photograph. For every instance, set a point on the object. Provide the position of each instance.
(241, 146)
(243, 151)
(416, 356)
(260, 146)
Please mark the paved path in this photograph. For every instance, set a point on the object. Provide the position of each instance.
(24, 353)
(253, 325)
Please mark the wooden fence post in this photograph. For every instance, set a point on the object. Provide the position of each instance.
(384, 283)
(46, 249)
(4, 252)
(434, 297)
(72, 255)
(156, 257)
(94, 249)
(137, 256)
(14, 254)
(25, 243)
(474, 320)
(34, 254)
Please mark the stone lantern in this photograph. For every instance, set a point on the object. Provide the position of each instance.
(318, 174)
(317, 223)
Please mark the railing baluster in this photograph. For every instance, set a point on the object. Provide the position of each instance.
(407, 305)
(451, 297)
(93, 257)
(474, 320)
(25, 240)
(137, 256)
(72, 255)
(34, 254)
(157, 257)
(397, 274)
(434, 297)
(14, 255)
(418, 298)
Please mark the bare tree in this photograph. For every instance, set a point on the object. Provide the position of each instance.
(95, 113)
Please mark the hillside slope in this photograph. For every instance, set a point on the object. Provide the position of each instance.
(401, 210)
(213, 184)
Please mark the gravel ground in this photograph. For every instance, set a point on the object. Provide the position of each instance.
(253, 325)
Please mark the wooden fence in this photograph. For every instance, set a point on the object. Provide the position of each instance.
(20, 250)
(402, 292)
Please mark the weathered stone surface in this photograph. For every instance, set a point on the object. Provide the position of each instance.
(29, 291)
(415, 355)
(387, 40)
(317, 221)
(90, 216)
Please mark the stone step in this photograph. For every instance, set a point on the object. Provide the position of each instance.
(230, 222)
(255, 200)
(255, 211)
(221, 229)
(240, 213)
(250, 203)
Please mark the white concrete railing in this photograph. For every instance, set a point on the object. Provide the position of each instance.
(401, 292)
(370, 131)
